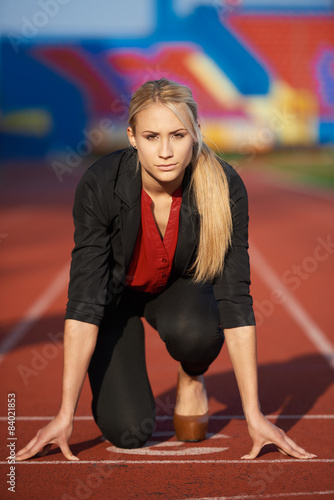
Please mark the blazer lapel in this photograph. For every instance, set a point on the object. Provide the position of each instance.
(128, 189)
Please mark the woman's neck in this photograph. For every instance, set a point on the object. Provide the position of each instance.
(156, 188)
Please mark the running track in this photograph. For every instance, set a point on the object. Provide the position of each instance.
(292, 257)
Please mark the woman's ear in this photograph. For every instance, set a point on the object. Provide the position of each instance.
(131, 137)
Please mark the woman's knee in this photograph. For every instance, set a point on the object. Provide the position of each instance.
(126, 434)
(193, 339)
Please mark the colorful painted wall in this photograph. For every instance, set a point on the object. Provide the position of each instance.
(262, 73)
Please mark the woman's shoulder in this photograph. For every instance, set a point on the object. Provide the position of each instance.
(107, 168)
(236, 185)
(97, 185)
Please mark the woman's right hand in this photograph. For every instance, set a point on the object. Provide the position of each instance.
(58, 432)
(79, 344)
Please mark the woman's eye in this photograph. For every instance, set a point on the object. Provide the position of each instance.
(152, 137)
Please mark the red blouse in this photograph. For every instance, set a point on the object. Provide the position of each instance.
(152, 259)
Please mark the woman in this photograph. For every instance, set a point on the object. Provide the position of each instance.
(161, 231)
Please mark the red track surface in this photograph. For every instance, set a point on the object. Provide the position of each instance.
(287, 227)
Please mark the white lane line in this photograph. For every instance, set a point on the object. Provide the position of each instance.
(162, 461)
(269, 495)
(287, 185)
(293, 306)
(162, 418)
(35, 312)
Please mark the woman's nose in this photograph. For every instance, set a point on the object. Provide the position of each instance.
(165, 149)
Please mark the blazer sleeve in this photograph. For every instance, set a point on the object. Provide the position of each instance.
(232, 290)
(90, 267)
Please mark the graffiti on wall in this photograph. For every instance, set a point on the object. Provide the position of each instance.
(261, 80)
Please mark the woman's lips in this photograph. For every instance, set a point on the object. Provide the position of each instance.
(167, 167)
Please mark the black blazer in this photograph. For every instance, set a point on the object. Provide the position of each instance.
(107, 213)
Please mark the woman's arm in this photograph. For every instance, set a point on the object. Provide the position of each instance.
(241, 345)
(79, 344)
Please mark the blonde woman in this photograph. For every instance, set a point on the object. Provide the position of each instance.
(161, 231)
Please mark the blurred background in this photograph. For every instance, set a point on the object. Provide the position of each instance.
(262, 72)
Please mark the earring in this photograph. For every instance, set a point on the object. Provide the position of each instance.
(135, 146)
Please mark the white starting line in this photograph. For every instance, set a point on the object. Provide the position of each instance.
(163, 461)
(169, 417)
(156, 451)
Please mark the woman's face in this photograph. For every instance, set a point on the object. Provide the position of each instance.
(164, 147)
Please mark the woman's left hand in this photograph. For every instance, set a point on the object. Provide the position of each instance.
(264, 432)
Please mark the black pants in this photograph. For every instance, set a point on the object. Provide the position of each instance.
(187, 319)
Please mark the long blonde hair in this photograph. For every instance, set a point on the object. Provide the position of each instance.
(208, 184)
